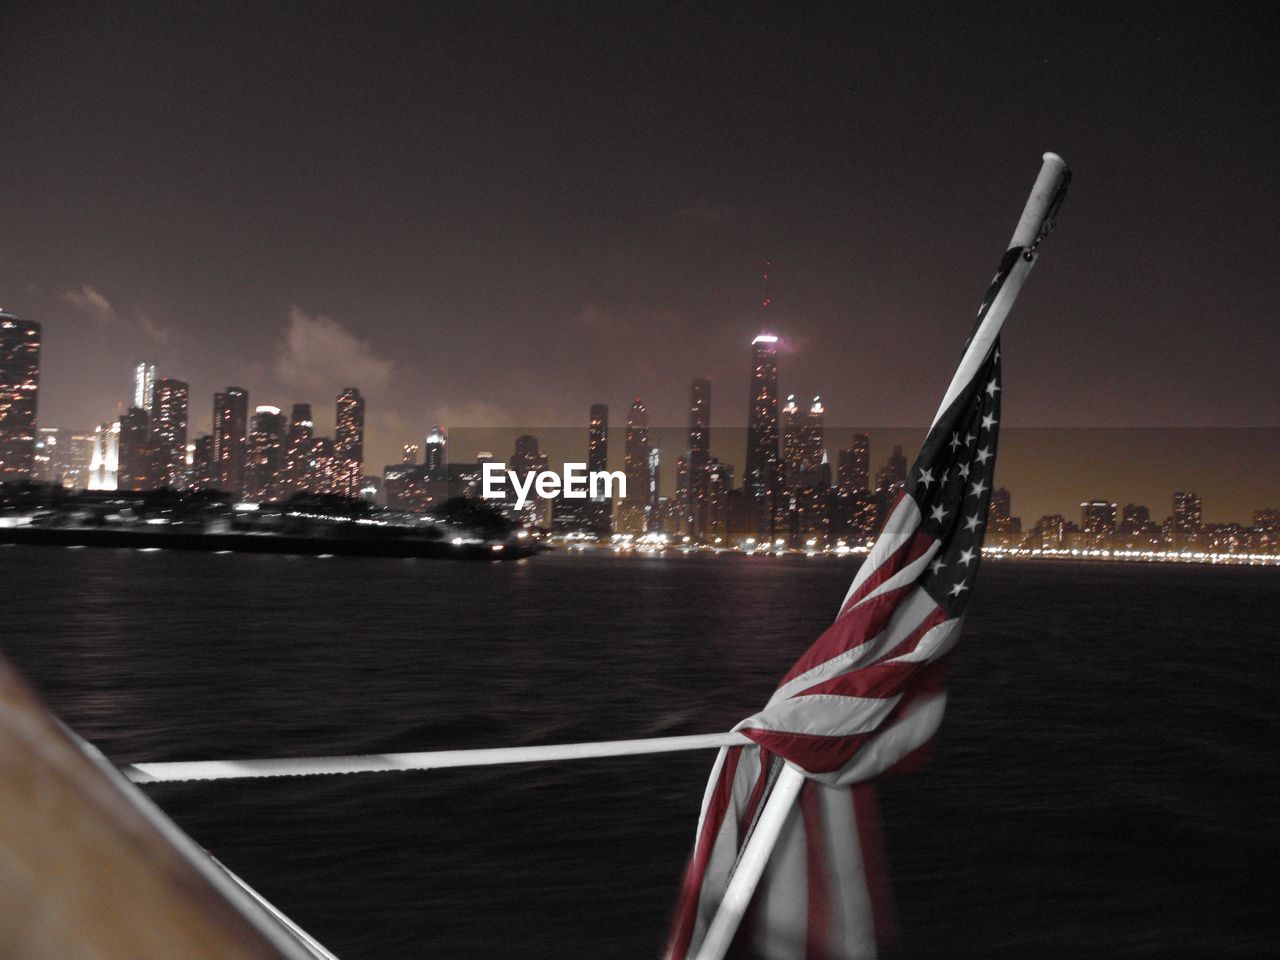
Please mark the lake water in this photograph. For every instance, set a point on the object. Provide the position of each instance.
(1104, 785)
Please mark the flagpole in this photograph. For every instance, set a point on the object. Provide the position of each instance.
(750, 867)
(1033, 226)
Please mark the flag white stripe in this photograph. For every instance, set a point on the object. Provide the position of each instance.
(937, 641)
(724, 850)
(909, 732)
(906, 575)
(898, 529)
(783, 909)
(905, 620)
(823, 715)
(851, 930)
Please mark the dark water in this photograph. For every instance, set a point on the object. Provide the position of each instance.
(1105, 782)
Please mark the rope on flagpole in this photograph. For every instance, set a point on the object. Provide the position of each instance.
(168, 772)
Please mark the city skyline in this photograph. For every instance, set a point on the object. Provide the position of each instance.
(1117, 475)
(459, 254)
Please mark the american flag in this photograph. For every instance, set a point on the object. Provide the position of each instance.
(865, 698)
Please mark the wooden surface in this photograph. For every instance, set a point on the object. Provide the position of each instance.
(90, 868)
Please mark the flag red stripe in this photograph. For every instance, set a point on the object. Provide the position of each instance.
(875, 867)
(912, 550)
(691, 887)
(818, 932)
(854, 628)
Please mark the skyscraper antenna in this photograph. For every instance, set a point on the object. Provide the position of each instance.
(765, 298)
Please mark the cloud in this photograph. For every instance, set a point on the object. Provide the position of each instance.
(99, 309)
(89, 301)
(321, 355)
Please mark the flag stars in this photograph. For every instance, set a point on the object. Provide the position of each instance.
(989, 421)
(955, 440)
(978, 487)
(926, 477)
(962, 471)
(958, 589)
(992, 388)
(938, 513)
(971, 523)
(936, 567)
(983, 455)
(966, 556)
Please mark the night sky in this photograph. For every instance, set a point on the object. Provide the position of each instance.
(502, 214)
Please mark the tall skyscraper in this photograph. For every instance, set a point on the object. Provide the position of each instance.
(1187, 517)
(264, 470)
(19, 390)
(230, 439)
(695, 493)
(136, 467)
(348, 434)
(792, 453)
(297, 453)
(855, 465)
(202, 474)
(598, 438)
(761, 480)
(169, 432)
(812, 438)
(144, 385)
(633, 517)
(435, 454)
(600, 514)
(104, 463)
(1098, 518)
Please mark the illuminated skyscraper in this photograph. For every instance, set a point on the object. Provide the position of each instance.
(202, 464)
(230, 439)
(653, 519)
(761, 480)
(811, 438)
(695, 495)
(297, 452)
(895, 471)
(144, 385)
(855, 465)
(633, 517)
(104, 464)
(792, 453)
(1098, 519)
(19, 391)
(136, 465)
(598, 438)
(526, 459)
(169, 432)
(264, 471)
(435, 454)
(601, 513)
(348, 439)
(1187, 514)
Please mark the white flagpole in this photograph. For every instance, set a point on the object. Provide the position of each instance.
(1032, 226)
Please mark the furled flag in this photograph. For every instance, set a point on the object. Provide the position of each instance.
(868, 695)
